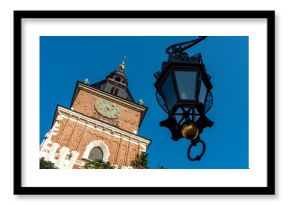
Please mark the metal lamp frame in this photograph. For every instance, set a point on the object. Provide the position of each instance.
(185, 111)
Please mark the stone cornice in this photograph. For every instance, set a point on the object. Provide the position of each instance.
(100, 125)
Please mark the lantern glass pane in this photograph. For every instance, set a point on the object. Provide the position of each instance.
(202, 93)
(186, 83)
(168, 92)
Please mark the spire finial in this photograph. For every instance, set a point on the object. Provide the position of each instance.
(122, 64)
(125, 57)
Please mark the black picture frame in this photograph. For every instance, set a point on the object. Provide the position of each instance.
(19, 189)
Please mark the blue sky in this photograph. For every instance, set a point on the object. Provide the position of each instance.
(65, 60)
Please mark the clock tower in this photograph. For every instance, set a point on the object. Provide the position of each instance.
(102, 123)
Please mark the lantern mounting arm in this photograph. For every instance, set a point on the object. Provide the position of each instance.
(180, 47)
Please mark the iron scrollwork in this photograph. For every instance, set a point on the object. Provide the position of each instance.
(208, 101)
(161, 102)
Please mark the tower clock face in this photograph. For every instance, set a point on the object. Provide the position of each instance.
(107, 109)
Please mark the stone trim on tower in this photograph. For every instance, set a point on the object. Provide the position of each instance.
(96, 124)
(65, 157)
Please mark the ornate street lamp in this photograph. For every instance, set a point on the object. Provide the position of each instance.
(183, 90)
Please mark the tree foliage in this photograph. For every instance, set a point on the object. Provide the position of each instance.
(160, 167)
(43, 164)
(141, 162)
(98, 164)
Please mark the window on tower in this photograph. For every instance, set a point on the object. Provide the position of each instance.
(118, 79)
(114, 91)
(96, 154)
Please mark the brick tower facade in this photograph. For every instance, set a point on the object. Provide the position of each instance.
(101, 124)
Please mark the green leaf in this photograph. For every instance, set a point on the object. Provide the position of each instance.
(43, 164)
(98, 164)
(141, 162)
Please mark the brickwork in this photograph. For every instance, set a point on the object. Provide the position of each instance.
(129, 118)
(78, 130)
(76, 136)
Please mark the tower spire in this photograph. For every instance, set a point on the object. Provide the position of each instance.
(121, 66)
(116, 83)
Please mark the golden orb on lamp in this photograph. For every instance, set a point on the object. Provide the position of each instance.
(190, 131)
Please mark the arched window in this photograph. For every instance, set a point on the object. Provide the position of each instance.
(114, 91)
(97, 144)
(96, 154)
(118, 79)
